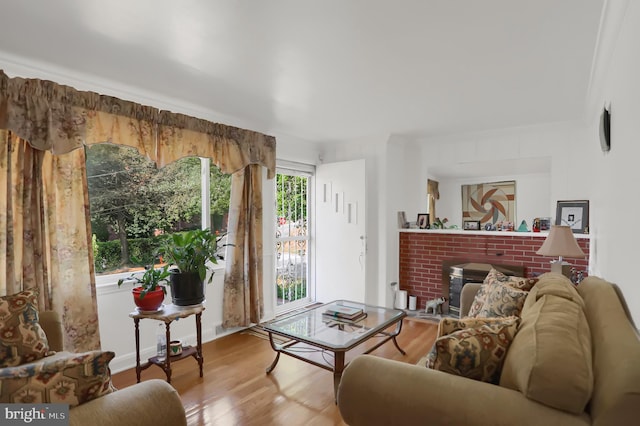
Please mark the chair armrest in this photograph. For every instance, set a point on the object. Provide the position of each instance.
(377, 391)
(152, 402)
(52, 325)
(467, 295)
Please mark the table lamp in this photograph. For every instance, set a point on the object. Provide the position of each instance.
(561, 242)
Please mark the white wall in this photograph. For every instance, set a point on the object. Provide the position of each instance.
(405, 190)
(532, 197)
(615, 203)
(294, 149)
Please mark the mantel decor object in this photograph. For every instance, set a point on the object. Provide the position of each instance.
(423, 220)
(574, 214)
(492, 203)
(561, 243)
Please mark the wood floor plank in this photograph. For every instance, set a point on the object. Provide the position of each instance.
(235, 389)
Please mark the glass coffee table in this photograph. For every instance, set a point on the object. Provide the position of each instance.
(316, 329)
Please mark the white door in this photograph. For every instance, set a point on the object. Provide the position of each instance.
(340, 231)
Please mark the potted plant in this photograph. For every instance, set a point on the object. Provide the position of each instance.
(189, 253)
(149, 292)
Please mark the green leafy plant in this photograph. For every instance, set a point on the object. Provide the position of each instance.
(442, 224)
(151, 280)
(190, 251)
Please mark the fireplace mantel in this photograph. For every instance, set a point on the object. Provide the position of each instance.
(423, 252)
(488, 233)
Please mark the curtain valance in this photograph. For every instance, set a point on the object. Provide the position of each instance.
(59, 119)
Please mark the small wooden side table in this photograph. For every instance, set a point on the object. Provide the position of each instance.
(169, 314)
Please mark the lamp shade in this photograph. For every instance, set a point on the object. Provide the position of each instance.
(561, 242)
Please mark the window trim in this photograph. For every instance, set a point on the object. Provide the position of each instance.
(108, 280)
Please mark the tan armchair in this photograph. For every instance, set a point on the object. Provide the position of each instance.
(152, 402)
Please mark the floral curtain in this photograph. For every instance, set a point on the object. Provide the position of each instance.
(433, 194)
(45, 238)
(243, 303)
(59, 119)
(22, 245)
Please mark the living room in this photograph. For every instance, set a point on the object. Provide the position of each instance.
(550, 160)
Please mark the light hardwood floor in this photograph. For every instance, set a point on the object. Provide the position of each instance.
(235, 389)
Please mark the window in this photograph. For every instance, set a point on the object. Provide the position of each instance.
(292, 237)
(133, 203)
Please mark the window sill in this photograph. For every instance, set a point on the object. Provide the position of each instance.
(106, 284)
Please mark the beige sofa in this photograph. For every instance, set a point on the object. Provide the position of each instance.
(152, 402)
(376, 391)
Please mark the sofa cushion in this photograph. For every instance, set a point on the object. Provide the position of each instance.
(475, 353)
(65, 378)
(550, 359)
(556, 284)
(491, 282)
(22, 339)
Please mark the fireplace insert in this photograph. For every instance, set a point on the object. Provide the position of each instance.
(473, 272)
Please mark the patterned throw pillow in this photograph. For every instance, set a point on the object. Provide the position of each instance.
(21, 337)
(63, 378)
(451, 325)
(502, 301)
(478, 301)
(475, 353)
(521, 283)
(496, 277)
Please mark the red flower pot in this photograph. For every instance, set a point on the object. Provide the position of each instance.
(151, 301)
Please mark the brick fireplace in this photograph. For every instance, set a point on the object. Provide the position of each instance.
(427, 255)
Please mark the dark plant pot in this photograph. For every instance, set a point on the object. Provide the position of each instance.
(186, 289)
(151, 301)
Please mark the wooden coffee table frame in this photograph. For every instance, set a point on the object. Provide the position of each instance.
(338, 352)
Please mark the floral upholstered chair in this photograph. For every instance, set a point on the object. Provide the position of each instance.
(33, 367)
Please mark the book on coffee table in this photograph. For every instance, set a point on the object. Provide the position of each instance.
(343, 312)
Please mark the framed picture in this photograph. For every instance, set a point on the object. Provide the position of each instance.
(492, 202)
(471, 225)
(545, 223)
(574, 214)
(423, 220)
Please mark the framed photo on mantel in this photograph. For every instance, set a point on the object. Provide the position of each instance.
(471, 225)
(423, 220)
(574, 214)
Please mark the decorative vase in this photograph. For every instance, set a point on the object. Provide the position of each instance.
(151, 301)
(186, 288)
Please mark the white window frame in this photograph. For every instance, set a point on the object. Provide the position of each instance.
(307, 170)
(105, 280)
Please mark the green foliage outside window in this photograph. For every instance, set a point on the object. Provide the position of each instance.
(132, 201)
(291, 197)
(290, 291)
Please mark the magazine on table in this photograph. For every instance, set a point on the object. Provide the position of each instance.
(344, 312)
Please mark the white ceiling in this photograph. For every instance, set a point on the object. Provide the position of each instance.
(325, 70)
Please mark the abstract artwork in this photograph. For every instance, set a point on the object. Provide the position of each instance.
(489, 202)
